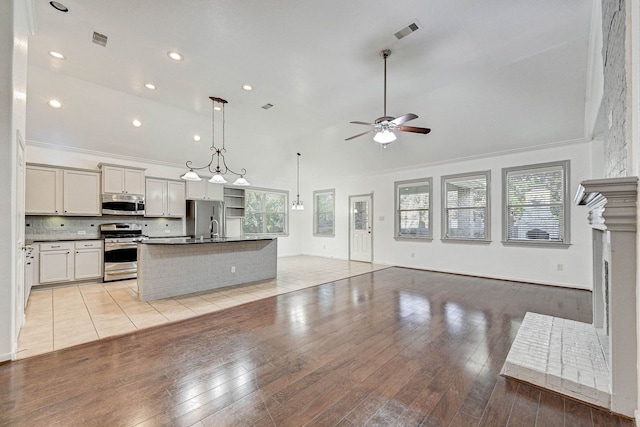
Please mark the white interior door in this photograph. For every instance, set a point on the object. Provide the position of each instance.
(360, 233)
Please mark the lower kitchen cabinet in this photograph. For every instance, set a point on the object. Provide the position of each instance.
(70, 261)
(56, 262)
(88, 260)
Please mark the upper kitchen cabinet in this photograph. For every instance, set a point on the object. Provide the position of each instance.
(58, 191)
(204, 190)
(121, 179)
(43, 192)
(81, 192)
(165, 198)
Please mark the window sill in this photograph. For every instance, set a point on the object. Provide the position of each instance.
(259, 235)
(413, 239)
(537, 244)
(467, 241)
(324, 235)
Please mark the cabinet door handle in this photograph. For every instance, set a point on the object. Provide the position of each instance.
(57, 246)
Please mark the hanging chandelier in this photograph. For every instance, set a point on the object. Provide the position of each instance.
(217, 156)
(297, 203)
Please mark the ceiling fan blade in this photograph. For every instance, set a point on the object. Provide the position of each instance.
(413, 129)
(403, 119)
(362, 123)
(360, 134)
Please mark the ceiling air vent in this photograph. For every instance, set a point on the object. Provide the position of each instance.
(100, 39)
(267, 106)
(404, 32)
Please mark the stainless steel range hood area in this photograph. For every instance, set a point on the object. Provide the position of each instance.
(122, 204)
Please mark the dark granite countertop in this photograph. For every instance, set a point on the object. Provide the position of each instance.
(192, 241)
(30, 241)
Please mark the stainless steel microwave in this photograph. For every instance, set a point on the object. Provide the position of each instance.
(122, 204)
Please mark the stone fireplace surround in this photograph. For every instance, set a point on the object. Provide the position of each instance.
(595, 363)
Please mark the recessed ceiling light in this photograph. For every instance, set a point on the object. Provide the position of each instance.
(136, 123)
(175, 56)
(57, 55)
(59, 6)
(150, 86)
(54, 103)
(247, 87)
(196, 138)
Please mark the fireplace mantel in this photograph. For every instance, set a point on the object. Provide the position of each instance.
(612, 204)
(618, 194)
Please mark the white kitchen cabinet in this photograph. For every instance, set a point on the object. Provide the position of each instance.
(81, 193)
(59, 191)
(121, 179)
(43, 191)
(56, 262)
(87, 259)
(176, 199)
(155, 197)
(68, 261)
(165, 198)
(204, 190)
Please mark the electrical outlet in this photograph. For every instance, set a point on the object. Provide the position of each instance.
(413, 255)
(560, 267)
(81, 232)
(233, 269)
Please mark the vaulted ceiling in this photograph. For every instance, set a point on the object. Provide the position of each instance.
(486, 77)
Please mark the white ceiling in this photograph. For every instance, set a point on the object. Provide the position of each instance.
(486, 77)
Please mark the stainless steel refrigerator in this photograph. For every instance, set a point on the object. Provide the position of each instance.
(205, 218)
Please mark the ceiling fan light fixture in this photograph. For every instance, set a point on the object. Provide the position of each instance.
(191, 176)
(385, 136)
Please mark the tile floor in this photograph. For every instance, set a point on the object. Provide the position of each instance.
(65, 316)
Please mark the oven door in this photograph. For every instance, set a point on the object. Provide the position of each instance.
(120, 260)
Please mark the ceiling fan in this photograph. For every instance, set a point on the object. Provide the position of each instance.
(385, 126)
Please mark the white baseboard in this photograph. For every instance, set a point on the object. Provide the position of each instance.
(7, 356)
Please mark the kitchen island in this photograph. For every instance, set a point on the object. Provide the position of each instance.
(182, 265)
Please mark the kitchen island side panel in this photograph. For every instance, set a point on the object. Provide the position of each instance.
(171, 270)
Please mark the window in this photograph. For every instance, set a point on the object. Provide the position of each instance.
(265, 212)
(465, 204)
(535, 204)
(413, 209)
(324, 213)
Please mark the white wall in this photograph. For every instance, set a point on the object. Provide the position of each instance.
(13, 82)
(538, 265)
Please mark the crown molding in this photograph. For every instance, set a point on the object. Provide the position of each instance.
(47, 145)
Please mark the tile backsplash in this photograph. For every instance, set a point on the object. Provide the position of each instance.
(41, 227)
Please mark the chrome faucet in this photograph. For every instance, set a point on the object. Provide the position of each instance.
(217, 233)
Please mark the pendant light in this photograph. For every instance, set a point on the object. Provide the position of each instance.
(217, 156)
(297, 203)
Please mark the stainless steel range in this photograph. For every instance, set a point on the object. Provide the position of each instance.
(121, 250)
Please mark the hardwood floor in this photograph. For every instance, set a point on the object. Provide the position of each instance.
(394, 347)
